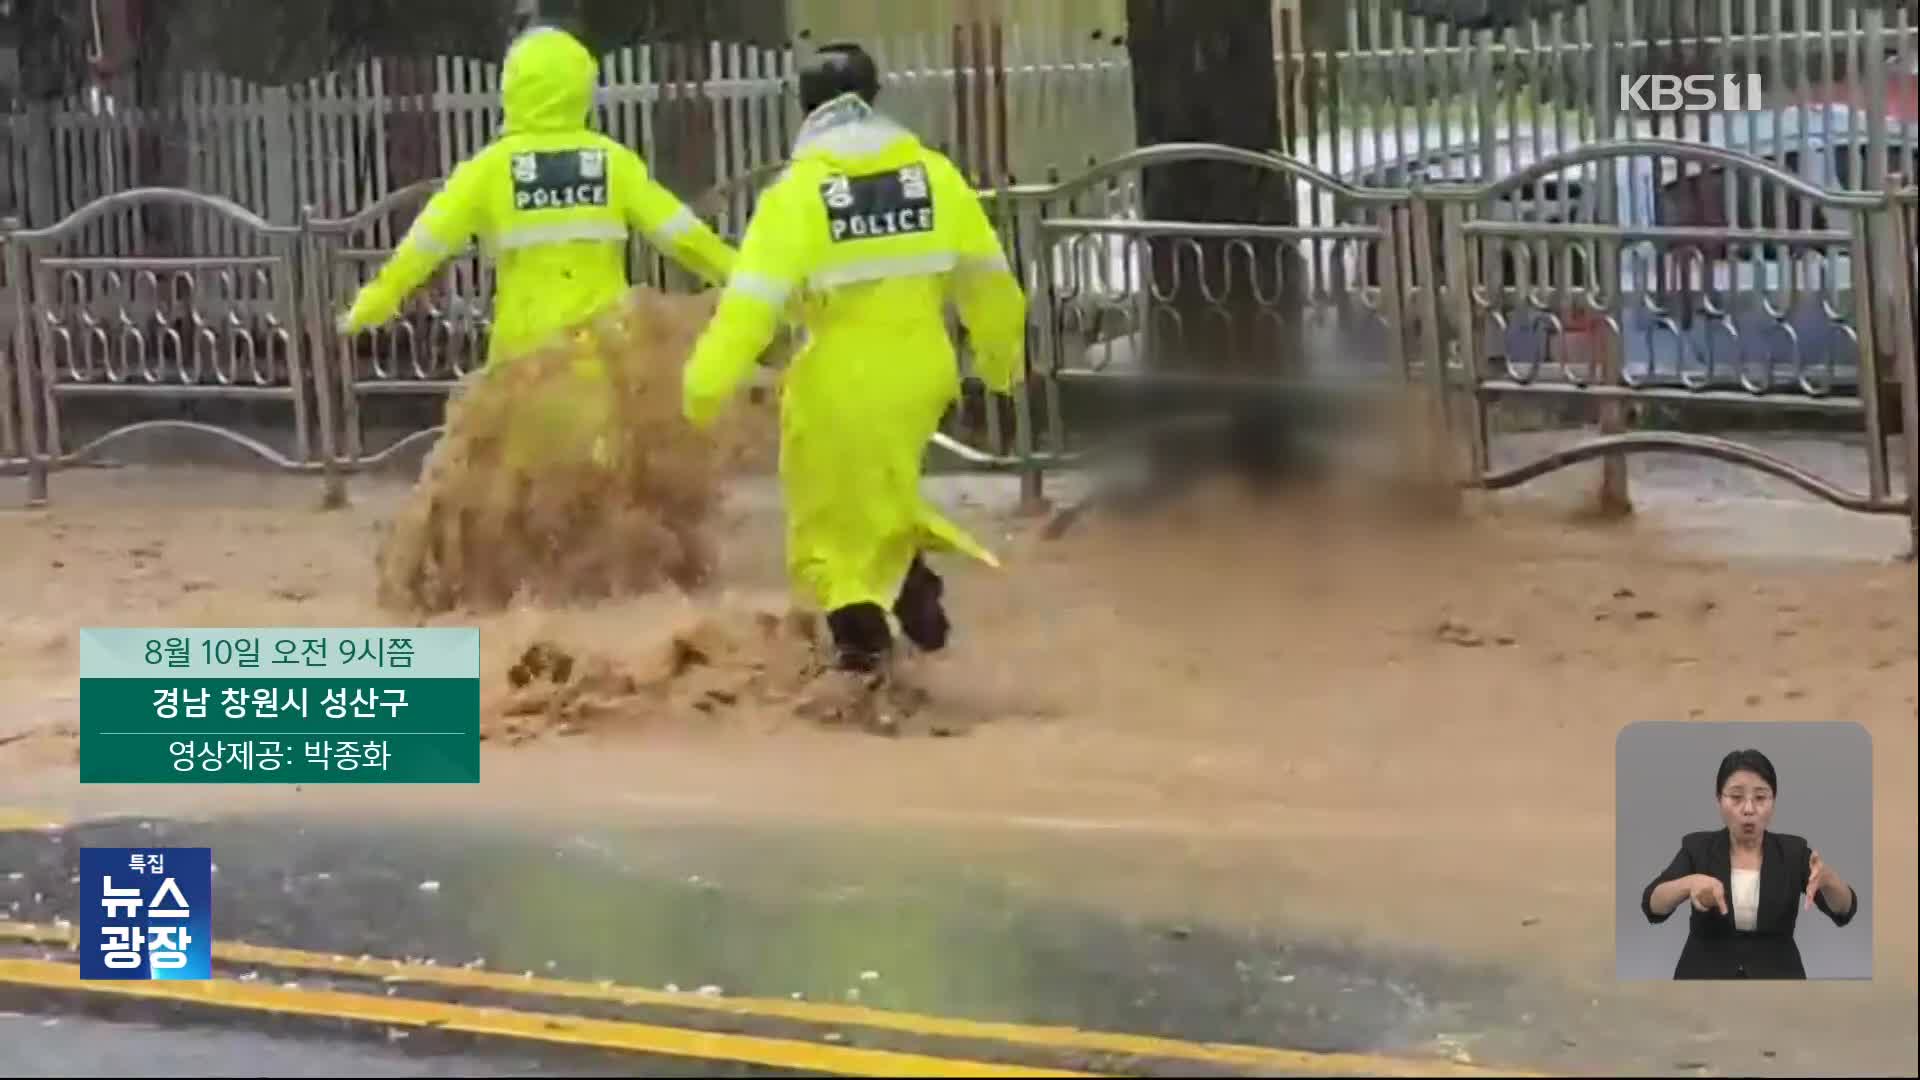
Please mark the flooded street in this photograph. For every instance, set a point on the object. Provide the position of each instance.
(1310, 777)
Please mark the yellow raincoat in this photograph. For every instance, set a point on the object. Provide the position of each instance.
(868, 235)
(553, 204)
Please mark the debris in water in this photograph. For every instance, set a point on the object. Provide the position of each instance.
(869, 976)
(430, 886)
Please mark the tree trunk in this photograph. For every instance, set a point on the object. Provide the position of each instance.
(1204, 72)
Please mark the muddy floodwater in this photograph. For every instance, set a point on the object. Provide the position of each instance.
(1363, 727)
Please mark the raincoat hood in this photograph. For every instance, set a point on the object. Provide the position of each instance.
(848, 131)
(548, 83)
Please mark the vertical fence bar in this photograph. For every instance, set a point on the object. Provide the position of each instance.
(1906, 219)
(377, 114)
(1047, 96)
(27, 369)
(9, 432)
(1376, 106)
(312, 328)
(1424, 90)
(1615, 498)
(1878, 150)
(1862, 256)
(647, 84)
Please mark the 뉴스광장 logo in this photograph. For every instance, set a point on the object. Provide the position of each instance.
(146, 913)
(1691, 93)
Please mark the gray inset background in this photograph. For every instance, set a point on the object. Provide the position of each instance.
(1663, 775)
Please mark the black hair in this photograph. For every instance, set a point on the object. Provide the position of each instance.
(1752, 761)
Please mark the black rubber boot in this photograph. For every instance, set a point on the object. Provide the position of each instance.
(862, 639)
(922, 617)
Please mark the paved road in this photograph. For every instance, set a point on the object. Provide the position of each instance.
(719, 950)
(823, 941)
(40, 1045)
(862, 920)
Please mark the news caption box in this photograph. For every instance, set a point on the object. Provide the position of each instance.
(146, 913)
(280, 706)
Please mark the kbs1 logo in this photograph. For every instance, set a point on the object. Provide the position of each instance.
(146, 913)
(1690, 93)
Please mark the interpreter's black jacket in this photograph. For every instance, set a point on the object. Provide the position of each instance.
(1714, 949)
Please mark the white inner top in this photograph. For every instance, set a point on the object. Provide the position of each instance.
(1746, 899)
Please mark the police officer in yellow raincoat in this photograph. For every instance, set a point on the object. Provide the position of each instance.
(552, 202)
(865, 237)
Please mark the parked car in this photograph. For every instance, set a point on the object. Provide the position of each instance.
(1772, 317)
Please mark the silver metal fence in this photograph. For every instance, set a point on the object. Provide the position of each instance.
(1459, 291)
(133, 327)
(439, 338)
(1626, 308)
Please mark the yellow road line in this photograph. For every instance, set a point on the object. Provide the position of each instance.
(581, 1031)
(1266, 1059)
(13, 819)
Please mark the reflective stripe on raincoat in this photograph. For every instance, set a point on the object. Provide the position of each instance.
(552, 203)
(865, 238)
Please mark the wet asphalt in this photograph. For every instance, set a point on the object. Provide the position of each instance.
(869, 919)
(53, 1045)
